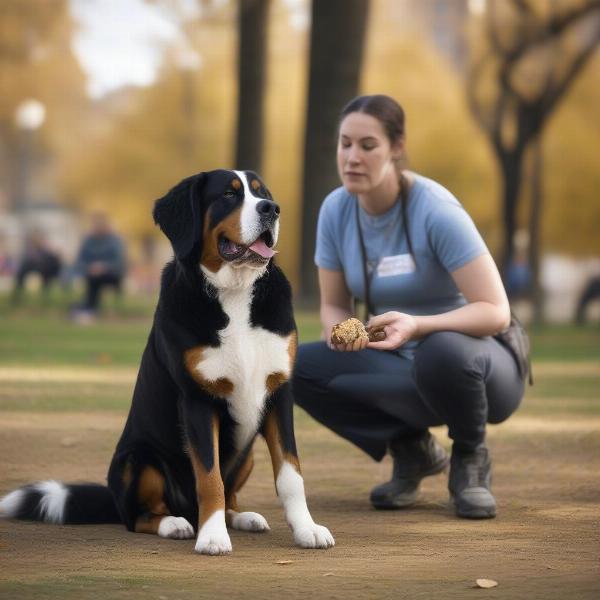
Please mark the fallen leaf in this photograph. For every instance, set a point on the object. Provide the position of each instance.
(283, 562)
(328, 574)
(486, 583)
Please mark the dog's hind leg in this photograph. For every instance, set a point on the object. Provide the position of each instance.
(157, 519)
(244, 521)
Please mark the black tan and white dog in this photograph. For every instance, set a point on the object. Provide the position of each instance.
(214, 374)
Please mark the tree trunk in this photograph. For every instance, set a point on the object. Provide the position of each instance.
(336, 51)
(189, 142)
(537, 194)
(512, 167)
(252, 49)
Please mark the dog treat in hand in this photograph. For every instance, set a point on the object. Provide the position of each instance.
(352, 329)
(348, 331)
(376, 334)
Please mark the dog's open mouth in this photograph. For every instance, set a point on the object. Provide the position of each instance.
(259, 251)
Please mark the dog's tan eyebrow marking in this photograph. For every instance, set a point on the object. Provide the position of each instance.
(236, 184)
(255, 185)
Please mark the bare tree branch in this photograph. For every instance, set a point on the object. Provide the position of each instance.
(510, 102)
(542, 32)
(472, 81)
(549, 101)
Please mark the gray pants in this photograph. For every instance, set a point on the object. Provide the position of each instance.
(372, 397)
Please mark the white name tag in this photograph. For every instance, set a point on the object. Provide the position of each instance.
(401, 264)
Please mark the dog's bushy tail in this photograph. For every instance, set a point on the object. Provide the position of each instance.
(56, 502)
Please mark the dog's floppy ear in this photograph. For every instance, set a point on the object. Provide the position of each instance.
(179, 215)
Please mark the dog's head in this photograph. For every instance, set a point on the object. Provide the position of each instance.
(220, 218)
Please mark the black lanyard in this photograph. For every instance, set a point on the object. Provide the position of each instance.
(368, 277)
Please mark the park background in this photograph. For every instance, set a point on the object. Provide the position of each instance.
(105, 104)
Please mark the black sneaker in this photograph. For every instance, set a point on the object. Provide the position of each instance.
(414, 458)
(469, 484)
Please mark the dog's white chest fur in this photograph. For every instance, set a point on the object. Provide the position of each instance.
(246, 357)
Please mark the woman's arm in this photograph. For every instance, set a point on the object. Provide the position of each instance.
(336, 306)
(486, 313)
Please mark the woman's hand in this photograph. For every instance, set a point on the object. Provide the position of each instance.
(336, 306)
(399, 328)
(358, 344)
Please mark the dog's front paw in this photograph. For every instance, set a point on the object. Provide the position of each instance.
(248, 521)
(314, 536)
(213, 544)
(213, 537)
(176, 528)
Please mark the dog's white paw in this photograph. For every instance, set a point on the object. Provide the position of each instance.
(248, 521)
(213, 544)
(176, 528)
(213, 537)
(314, 536)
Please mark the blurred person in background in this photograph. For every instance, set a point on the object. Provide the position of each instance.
(7, 263)
(39, 258)
(518, 280)
(101, 261)
(405, 246)
(590, 293)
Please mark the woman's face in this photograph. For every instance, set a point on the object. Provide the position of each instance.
(365, 156)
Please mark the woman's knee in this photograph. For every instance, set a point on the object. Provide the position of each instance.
(501, 407)
(308, 359)
(445, 355)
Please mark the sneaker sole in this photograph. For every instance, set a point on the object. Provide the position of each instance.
(396, 504)
(472, 513)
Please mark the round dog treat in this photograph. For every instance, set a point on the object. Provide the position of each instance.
(348, 331)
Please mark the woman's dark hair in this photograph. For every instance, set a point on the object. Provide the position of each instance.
(391, 115)
(383, 108)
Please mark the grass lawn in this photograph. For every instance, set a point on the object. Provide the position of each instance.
(32, 339)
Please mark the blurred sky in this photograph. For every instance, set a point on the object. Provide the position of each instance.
(120, 42)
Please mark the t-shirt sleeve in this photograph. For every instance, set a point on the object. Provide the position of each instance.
(327, 253)
(453, 236)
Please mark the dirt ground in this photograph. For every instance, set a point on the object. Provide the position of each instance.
(545, 542)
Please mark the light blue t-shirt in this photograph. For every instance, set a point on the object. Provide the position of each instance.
(443, 236)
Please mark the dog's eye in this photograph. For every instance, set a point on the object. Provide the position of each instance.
(229, 194)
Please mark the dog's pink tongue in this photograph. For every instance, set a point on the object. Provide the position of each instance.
(261, 248)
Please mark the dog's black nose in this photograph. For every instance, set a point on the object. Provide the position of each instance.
(267, 208)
